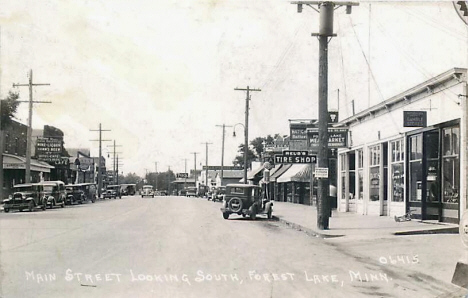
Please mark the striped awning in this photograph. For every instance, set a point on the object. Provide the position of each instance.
(297, 173)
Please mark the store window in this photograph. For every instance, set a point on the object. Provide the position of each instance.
(343, 176)
(398, 170)
(374, 172)
(360, 157)
(451, 165)
(415, 168)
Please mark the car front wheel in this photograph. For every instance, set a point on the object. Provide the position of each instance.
(6, 210)
(30, 206)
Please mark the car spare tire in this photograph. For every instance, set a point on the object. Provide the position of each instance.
(235, 204)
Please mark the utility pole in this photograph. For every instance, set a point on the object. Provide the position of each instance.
(206, 162)
(222, 150)
(195, 167)
(157, 175)
(29, 132)
(246, 127)
(100, 157)
(185, 176)
(114, 162)
(326, 10)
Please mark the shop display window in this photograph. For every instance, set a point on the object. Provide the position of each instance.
(398, 170)
(451, 165)
(374, 175)
(360, 155)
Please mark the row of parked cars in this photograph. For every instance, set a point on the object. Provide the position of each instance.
(48, 194)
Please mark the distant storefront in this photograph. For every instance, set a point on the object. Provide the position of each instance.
(405, 154)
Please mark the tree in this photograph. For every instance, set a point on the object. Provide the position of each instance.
(239, 159)
(130, 178)
(9, 107)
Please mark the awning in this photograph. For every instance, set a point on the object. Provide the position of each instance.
(251, 175)
(296, 173)
(282, 168)
(18, 162)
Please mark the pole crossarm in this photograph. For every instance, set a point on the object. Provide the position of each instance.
(246, 126)
(340, 3)
(29, 132)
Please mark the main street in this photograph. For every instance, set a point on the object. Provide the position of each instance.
(182, 247)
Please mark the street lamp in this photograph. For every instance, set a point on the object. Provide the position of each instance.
(246, 146)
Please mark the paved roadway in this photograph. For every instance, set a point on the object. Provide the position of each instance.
(182, 247)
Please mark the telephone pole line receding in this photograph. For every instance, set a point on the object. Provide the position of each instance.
(222, 150)
(206, 162)
(246, 127)
(100, 156)
(326, 10)
(29, 132)
(114, 161)
(195, 166)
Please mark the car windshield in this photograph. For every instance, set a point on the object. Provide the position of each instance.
(24, 188)
(48, 188)
(147, 187)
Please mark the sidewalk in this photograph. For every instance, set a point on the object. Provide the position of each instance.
(351, 225)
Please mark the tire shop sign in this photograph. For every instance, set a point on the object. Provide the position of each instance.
(337, 137)
(290, 156)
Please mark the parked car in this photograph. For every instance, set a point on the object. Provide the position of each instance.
(147, 191)
(112, 191)
(245, 199)
(182, 192)
(191, 192)
(25, 196)
(127, 189)
(55, 193)
(74, 194)
(218, 193)
(89, 191)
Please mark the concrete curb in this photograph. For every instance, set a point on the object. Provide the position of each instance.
(449, 230)
(301, 228)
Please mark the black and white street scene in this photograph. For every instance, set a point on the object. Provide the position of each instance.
(233, 148)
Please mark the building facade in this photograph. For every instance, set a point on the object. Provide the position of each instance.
(406, 154)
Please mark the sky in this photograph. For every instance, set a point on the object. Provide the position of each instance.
(160, 75)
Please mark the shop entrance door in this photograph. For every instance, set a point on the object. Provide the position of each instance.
(424, 175)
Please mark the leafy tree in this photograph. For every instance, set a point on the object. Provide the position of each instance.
(9, 107)
(130, 178)
(239, 159)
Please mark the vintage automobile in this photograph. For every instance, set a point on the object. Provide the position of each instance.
(112, 191)
(191, 191)
(245, 200)
(25, 196)
(89, 191)
(75, 194)
(54, 192)
(128, 189)
(147, 191)
(218, 193)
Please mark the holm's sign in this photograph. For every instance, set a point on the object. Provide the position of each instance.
(414, 118)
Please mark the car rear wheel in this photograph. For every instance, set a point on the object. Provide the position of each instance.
(6, 210)
(253, 212)
(225, 215)
(269, 213)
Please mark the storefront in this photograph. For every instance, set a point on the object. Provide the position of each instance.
(404, 153)
(14, 171)
(296, 183)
